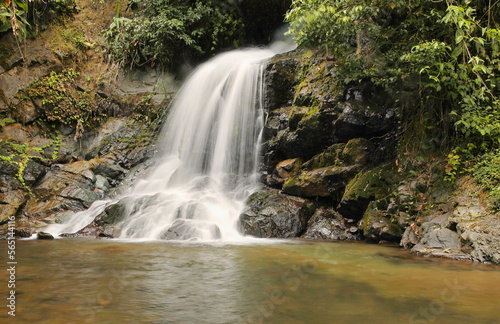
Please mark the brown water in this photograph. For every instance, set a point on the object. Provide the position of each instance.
(104, 281)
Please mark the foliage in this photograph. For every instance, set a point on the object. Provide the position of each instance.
(6, 121)
(26, 17)
(19, 155)
(63, 101)
(163, 30)
(487, 173)
(448, 49)
(147, 112)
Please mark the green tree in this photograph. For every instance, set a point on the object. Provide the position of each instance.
(163, 31)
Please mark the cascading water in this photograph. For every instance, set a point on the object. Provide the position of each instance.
(209, 156)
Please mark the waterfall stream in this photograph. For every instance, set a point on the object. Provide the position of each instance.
(209, 151)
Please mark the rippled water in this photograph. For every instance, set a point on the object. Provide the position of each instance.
(106, 281)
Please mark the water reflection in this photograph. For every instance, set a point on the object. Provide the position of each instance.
(92, 281)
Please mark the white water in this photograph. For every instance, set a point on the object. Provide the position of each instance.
(209, 157)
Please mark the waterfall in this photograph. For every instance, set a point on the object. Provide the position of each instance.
(209, 149)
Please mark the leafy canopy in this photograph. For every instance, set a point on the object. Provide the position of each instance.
(163, 31)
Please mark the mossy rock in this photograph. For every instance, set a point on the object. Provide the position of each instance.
(331, 156)
(357, 151)
(284, 170)
(318, 84)
(366, 186)
(273, 214)
(6, 51)
(323, 182)
(378, 227)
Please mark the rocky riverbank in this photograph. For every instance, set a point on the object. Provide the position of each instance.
(331, 171)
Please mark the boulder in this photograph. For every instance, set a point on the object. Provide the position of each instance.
(270, 214)
(377, 226)
(186, 229)
(283, 171)
(44, 236)
(365, 187)
(323, 182)
(327, 224)
(10, 202)
(361, 120)
(281, 79)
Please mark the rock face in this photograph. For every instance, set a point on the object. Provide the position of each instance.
(51, 169)
(319, 145)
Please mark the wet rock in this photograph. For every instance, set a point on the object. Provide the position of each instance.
(283, 171)
(361, 120)
(44, 236)
(23, 232)
(367, 186)
(10, 202)
(272, 214)
(65, 188)
(378, 227)
(280, 76)
(128, 141)
(185, 229)
(276, 121)
(102, 183)
(326, 224)
(313, 135)
(331, 156)
(34, 172)
(110, 171)
(358, 151)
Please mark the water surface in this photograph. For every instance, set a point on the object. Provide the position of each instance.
(108, 281)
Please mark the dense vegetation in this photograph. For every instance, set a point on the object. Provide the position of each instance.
(25, 18)
(163, 31)
(168, 32)
(447, 49)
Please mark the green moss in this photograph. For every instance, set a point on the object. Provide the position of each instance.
(373, 184)
(63, 101)
(331, 156)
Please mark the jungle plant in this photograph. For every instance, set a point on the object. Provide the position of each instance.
(163, 31)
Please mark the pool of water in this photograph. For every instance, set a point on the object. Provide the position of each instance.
(108, 281)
